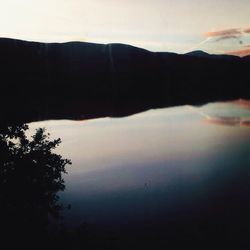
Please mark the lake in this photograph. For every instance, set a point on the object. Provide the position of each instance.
(167, 176)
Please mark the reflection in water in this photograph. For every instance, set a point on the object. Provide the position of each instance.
(163, 179)
(30, 177)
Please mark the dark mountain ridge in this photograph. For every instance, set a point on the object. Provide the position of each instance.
(74, 80)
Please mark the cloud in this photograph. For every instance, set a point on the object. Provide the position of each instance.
(228, 33)
(227, 121)
(234, 33)
(245, 123)
(224, 33)
(247, 30)
(240, 52)
(227, 37)
(231, 121)
(242, 103)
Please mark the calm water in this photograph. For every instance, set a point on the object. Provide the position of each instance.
(182, 168)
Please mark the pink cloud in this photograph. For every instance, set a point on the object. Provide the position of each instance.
(226, 37)
(240, 53)
(245, 124)
(242, 103)
(247, 30)
(224, 33)
(228, 121)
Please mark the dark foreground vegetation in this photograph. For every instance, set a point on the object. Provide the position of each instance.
(31, 175)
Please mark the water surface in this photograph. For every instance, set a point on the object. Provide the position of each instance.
(181, 172)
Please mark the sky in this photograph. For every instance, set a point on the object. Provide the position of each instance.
(158, 25)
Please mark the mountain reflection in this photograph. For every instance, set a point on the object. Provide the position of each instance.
(30, 177)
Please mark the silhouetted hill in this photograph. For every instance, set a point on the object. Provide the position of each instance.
(246, 58)
(75, 80)
(199, 53)
(202, 54)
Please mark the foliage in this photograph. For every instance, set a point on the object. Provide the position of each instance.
(30, 177)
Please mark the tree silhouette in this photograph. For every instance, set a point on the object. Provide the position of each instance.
(30, 177)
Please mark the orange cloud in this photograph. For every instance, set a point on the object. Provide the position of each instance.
(245, 124)
(228, 121)
(241, 52)
(247, 30)
(227, 37)
(242, 103)
(224, 33)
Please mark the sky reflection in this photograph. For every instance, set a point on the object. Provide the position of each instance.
(168, 153)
